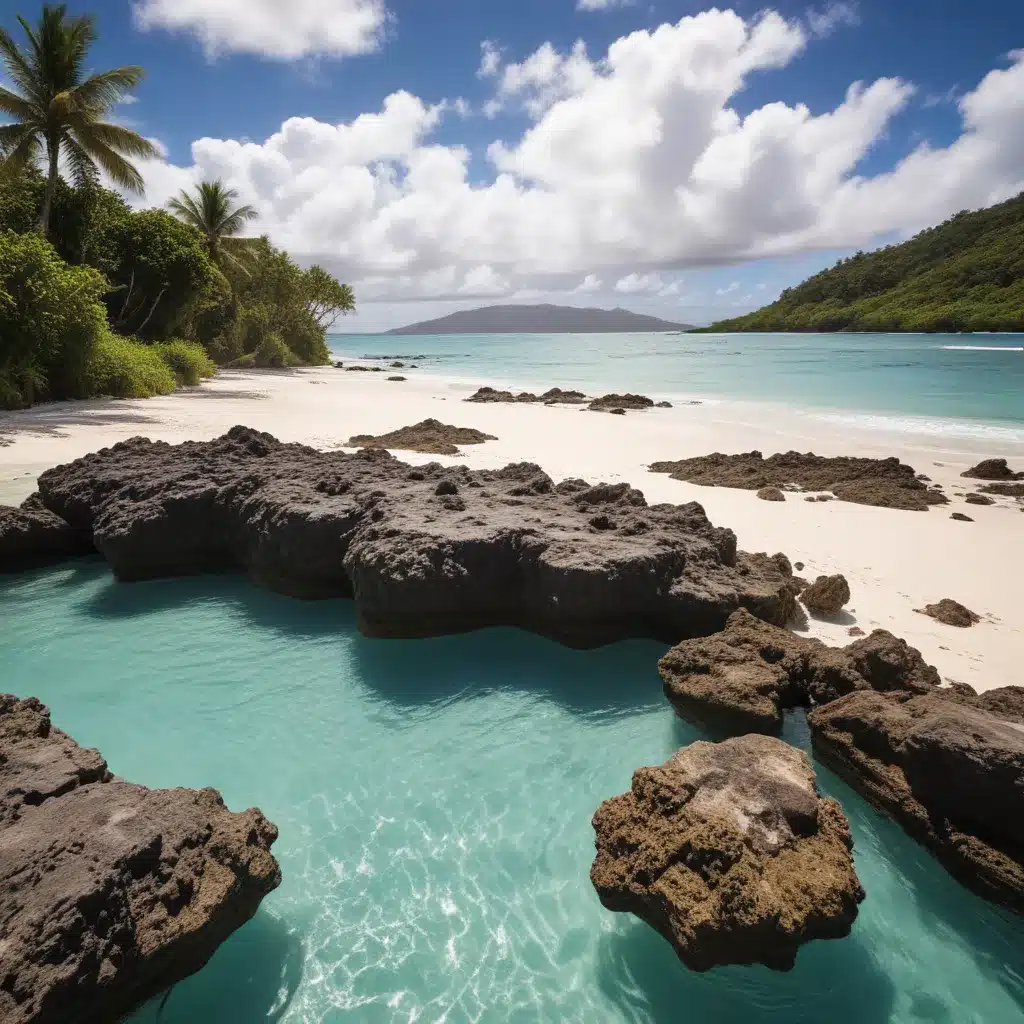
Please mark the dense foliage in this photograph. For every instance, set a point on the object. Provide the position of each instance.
(964, 275)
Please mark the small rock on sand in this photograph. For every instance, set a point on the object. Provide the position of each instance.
(950, 612)
(961, 518)
(855, 631)
(826, 595)
(979, 499)
(397, 378)
(992, 469)
(771, 494)
(430, 436)
(799, 566)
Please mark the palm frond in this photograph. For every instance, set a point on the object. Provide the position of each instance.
(82, 166)
(18, 68)
(184, 207)
(19, 151)
(119, 170)
(17, 106)
(114, 136)
(102, 91)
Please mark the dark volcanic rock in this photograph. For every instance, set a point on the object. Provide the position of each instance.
(992, 469)
(949, 773)
(771, 494)
(553, 396)
(961, 518)
(743, 678)
(611, 403)
(1006, 490)
(729, 852)
(556, 396)
(111, 892)
(430, 436)
(397, 378)
(584, 564)
(950, 612)
(826, 595)
(32, 535)
(979, 499)
(884, 482)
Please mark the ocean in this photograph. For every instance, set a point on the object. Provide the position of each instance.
(959, 385)
(434, 801)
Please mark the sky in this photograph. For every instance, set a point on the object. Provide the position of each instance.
(664, 156)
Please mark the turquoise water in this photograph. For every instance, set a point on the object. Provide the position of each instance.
(434, 801)
(929, 376)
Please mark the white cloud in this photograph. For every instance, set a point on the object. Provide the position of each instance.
(732, 287)
(127, 100)
(602, 5)
(490, 59)
(636, 159)
(640, 284)
(591, 283)
(272, 28)
(838, 14)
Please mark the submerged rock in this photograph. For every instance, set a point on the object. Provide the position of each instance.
(112, 892)
(32, 535)
(730, 853)
(743, 678)
(947, 768)
(992, 469)
(885, 482)
(951, 613)
(584, 564)
(826, 595)
(430, 436)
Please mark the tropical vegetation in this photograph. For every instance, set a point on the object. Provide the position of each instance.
(964, 275)
(100, 298)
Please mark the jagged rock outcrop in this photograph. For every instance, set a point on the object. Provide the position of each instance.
(112, 892)
(885, 482)
(32, 535)
(992, 469)
(826, 595)
(423, 550)
(743, 678)
(612, 403)
(951, 613)
(947, 768)
(729, 852)
(429, 436)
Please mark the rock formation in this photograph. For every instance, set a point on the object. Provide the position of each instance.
(423, 550)
(397, 378)
(32, 535)
(947, 768)
(729, 852)
(979, 499)
(885, 482)
(743, 678)
(950, 612)
(961, 518)
(112, 892)
(612, 403)
(1004, 489)
(429, 436)
(553, 396)
(771, 494)
(992, 469)
(826, 595)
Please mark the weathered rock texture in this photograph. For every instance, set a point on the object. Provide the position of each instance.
(111, 892)
(553, 396)
(729, 852)
(950, 612)
(32, 535)
(949, 767)
(979, 499)
(826, 595)
(610, 403)
(771, 494)
(992, 469)
(423, 550)
(885, 482)
(961, 518)
(743, 678)
(1004, 489)
(430, 436)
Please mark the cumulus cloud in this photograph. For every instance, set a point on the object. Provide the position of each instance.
(591, 283)
(490, 59)
(632, 164)
(640, 284)
(271, 28)
(825, 20)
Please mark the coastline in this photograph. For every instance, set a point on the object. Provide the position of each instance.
(892, 559)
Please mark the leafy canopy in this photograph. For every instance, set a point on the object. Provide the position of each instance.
(212, 211)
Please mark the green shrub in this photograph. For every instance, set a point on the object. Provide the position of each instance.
(124, 368)
(187, 359)
(272, 352)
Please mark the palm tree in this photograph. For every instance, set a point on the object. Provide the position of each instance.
(211, 210)
(56, 110)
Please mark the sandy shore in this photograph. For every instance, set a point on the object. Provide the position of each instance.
(895, 561)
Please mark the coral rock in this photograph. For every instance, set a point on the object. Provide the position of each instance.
(950, 612)
(771, 494)
(826, 595)
(32, 535)
(430, 436)
(992, 469)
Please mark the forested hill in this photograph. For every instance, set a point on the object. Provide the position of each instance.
(964, 275)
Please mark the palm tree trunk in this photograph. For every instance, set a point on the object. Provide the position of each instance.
(53, 151)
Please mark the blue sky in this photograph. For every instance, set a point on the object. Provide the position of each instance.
(212, 75)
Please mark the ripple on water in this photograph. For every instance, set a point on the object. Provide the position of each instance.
(434, 801)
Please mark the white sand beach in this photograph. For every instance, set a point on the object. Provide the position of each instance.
(895, 561)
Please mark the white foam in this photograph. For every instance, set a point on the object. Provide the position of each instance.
(983, 348)
(969, 430)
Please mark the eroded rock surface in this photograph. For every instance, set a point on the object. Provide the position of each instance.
(1006, 490)
(729, 852)
(948, 767)
(950, 612)
(884, 482)
(743, 678)
(112, 892)
(771, 494)
(423, 550)
(611, 403)
(430, 436)
(553, 396)
(992, 469)
(826, 595)
(32, 535)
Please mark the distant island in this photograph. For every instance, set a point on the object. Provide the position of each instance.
(544, 319)
(964, 275)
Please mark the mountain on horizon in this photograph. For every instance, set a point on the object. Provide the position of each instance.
(542, 319)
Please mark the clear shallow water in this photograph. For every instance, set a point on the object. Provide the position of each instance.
(928, 376)
(434, 801)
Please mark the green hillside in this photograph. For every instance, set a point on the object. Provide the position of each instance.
(964, 275)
